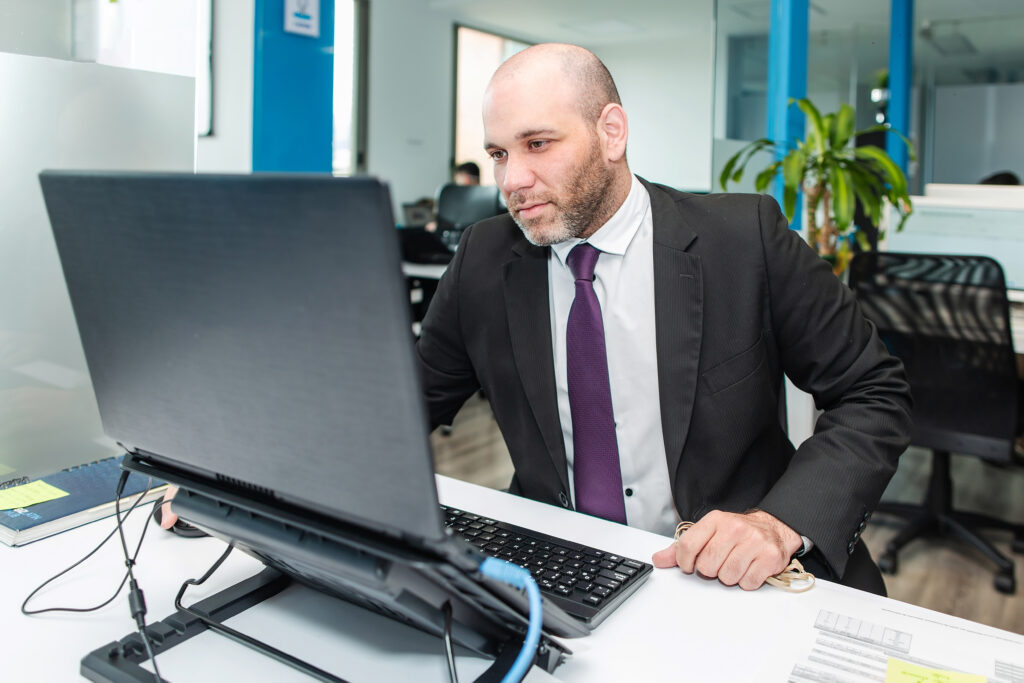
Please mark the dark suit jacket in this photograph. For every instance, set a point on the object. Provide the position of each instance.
(739, 299)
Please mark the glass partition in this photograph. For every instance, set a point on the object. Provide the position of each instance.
(69, 115)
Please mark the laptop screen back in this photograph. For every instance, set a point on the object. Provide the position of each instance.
(255, 328)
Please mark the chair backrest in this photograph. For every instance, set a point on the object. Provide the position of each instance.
(459, 206)
(947, 318)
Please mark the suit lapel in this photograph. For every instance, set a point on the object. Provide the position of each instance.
(529, 325)
(678, 302)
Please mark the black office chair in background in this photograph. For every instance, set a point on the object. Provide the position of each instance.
(459, 206)
(947, 318)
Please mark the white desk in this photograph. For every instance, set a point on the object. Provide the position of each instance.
(676, 627)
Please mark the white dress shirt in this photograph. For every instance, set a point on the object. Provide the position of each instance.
(624, 284)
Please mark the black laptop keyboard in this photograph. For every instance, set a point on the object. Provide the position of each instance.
(585, 582)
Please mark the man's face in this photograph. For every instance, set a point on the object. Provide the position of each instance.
(548, 161)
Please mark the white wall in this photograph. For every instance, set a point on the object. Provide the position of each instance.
(410, 97)
(229, 149)
(36, 27)
(977, 132)
(667, 91)
(666, 88)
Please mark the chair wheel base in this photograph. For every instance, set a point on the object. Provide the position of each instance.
(1017, 545)
(1005, 583)
(887, 563)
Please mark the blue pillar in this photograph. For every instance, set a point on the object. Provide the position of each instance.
(787, 77)
(901, 76)
(293, 93)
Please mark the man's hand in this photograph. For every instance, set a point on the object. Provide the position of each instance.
(736, 549)
(168, 518)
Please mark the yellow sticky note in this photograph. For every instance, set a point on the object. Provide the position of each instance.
(905, 672)
(29, 494)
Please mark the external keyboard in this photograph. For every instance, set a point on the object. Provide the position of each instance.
(585, 582)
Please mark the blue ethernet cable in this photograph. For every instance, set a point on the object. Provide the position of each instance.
(518, 577)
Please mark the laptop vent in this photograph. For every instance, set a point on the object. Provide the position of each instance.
(238, 483)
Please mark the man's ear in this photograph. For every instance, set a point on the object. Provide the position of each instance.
(613, 129)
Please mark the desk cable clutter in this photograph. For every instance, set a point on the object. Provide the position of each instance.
(794, 573)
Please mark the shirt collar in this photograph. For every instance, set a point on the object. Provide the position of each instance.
(614, 236)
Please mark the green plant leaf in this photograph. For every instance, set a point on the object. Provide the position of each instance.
(739, 160)
(862, 240)
(793, 170)
(843, 126)
(789, 202)
(814, 118)
(828, 124)
(886, 128)
(871, 201)
(842, 196)
(890, 172)
(764, 178)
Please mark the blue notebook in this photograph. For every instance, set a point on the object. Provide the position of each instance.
(91, 489)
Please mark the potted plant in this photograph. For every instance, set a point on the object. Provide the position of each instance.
(832, 175)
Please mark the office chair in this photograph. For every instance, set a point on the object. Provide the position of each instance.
(947, 318)
(459, 206)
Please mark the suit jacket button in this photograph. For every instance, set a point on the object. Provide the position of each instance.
(563, 499)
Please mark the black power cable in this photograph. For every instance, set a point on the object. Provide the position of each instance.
(136, 599)
(29, 612)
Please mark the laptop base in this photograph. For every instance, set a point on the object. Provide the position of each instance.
(120, 661)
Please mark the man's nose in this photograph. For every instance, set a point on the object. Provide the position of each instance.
(517, 175)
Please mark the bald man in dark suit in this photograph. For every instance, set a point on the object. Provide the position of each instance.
(705, 301)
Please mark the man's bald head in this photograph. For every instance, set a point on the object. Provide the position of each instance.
(579, 68)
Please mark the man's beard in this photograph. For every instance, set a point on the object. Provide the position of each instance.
(587, 201)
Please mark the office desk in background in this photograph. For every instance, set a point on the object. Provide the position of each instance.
(676, 627)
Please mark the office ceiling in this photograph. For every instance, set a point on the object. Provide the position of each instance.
(957, 40)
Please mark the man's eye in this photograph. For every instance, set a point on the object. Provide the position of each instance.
(537, 144)
(497, 155)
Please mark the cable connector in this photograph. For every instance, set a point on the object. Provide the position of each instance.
(518, 577)
(136, 602)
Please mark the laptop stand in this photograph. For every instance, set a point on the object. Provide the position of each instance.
(121, 661)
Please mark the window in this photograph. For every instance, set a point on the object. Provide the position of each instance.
(477, 55)
(345, 41)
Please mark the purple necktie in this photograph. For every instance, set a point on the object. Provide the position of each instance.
(596, 461)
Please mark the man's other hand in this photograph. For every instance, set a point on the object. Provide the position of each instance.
(168, 518)
(737, 549)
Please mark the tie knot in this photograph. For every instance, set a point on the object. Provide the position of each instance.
(582, 260)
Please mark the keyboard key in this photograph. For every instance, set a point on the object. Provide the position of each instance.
(601, 592)
(626, 569)
(593, 600)
(615, 576)
(607, 583)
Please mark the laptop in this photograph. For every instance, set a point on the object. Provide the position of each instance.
(416, 214)
(419, 245)
(249, 339)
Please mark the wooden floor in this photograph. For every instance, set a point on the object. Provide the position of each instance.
(941, 575)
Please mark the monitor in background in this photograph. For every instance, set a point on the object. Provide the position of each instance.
(249, 339)
(948, 226)
(993, 196)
